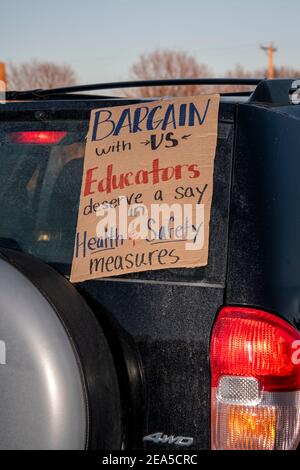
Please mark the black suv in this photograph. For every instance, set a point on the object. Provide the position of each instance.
(196, 358)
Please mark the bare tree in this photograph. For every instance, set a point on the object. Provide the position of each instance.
(34, 74)
(286, 72)
(164, 64)
(240, 72)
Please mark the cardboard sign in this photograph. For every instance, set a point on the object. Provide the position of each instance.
(147, 188)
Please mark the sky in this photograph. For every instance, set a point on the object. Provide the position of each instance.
(102, 39)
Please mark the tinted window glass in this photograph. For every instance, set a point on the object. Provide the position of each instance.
(40, 186)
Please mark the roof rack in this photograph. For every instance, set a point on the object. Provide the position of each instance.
(47, 93)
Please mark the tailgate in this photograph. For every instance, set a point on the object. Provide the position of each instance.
(169, 313)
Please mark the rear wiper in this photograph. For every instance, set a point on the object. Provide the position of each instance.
(11, 243)
(69, 90)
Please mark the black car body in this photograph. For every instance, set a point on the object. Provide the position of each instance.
(158, 324)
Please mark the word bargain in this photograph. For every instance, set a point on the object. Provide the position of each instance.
(146, 118)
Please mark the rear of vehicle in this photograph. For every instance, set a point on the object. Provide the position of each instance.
(205, 357)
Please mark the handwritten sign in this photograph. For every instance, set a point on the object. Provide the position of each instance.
(147, 188)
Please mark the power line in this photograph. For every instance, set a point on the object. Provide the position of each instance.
(202, 49)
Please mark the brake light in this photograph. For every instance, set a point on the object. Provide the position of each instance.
(37, 137)
(255, 371)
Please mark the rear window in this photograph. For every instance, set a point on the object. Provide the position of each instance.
(40, 180)
(40, 177)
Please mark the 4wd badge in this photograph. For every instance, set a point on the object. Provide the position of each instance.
(160, 438)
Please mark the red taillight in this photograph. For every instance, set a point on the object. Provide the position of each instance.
(255, 370)
(37, 137)
(249, 342)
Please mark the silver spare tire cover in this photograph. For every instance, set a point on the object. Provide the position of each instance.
(56, 391)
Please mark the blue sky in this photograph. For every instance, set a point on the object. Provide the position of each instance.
(101, 39)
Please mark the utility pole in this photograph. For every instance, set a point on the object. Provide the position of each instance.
(270, 49)
(3, 82)
(2, 72)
